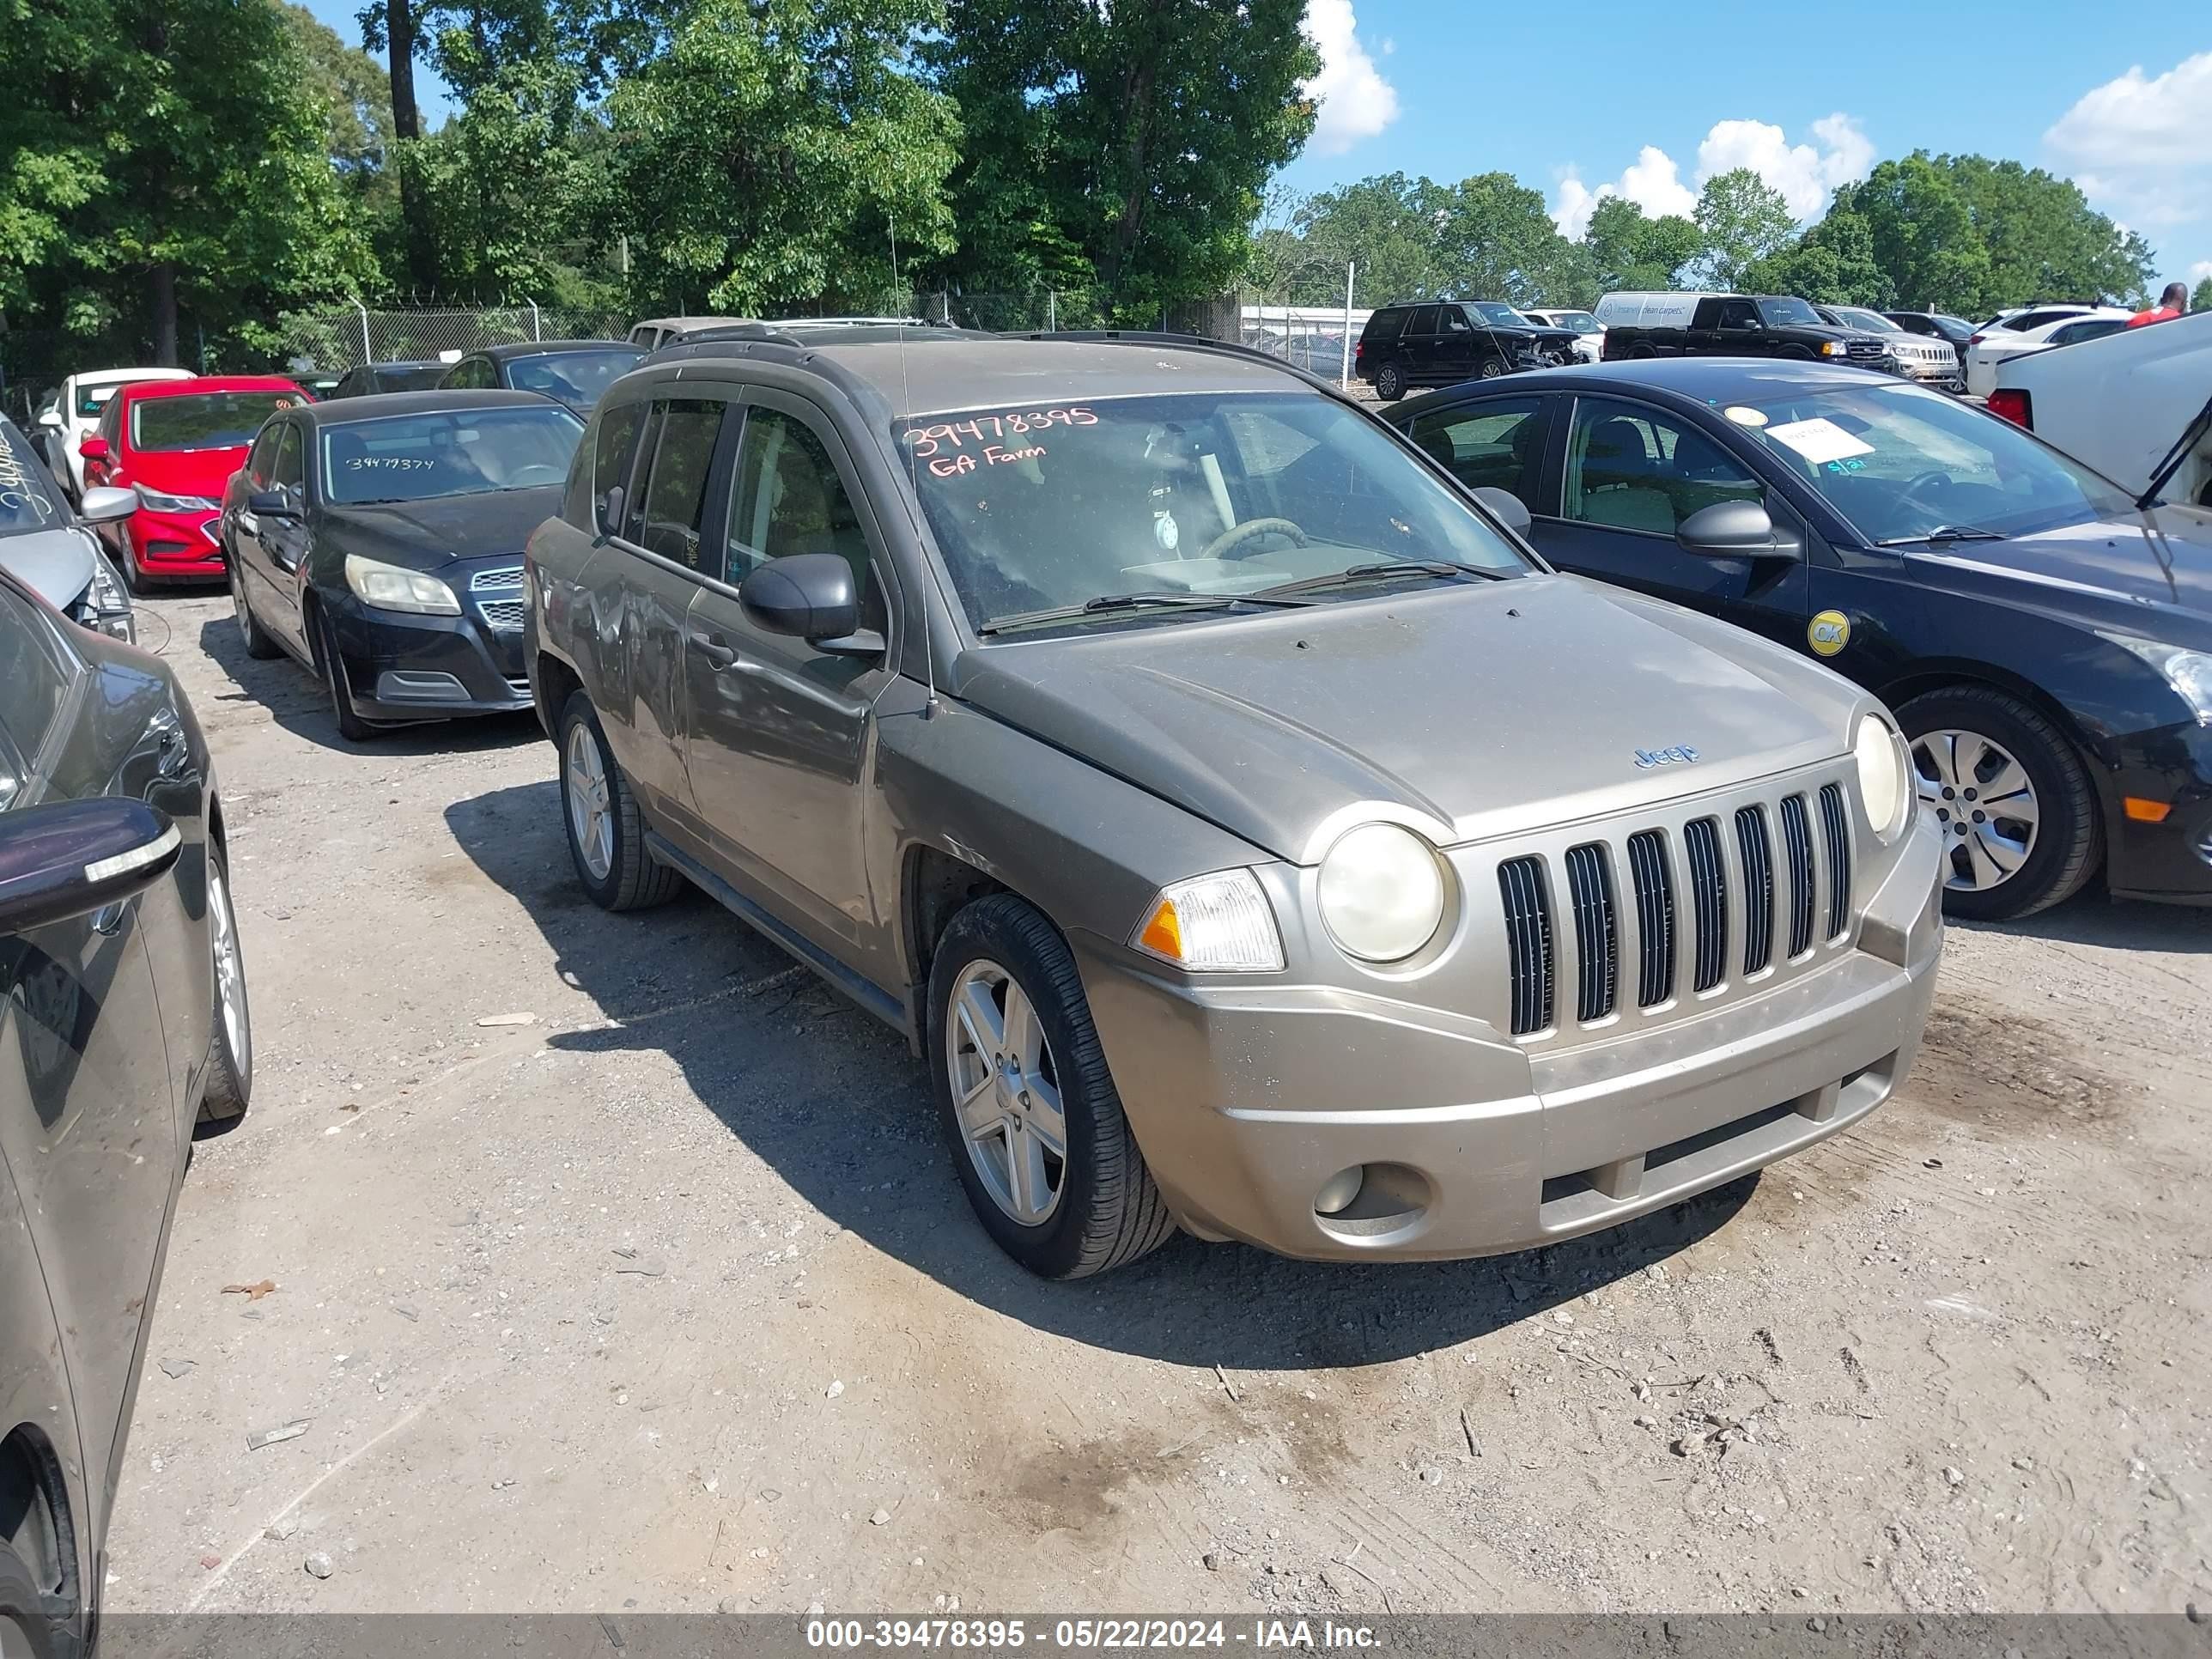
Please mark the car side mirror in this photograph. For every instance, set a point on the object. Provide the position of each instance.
(107, 505)
(812, 597)
(94, 449)
(1734, 529)
(77, 856)
(51, 419)
(273, 504)
(1508, 508)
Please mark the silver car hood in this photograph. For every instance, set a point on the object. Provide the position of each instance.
(1486, 709)
(56, 564)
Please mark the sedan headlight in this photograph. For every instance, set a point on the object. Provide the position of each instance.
(1885, 783)
(390, 588)
(2189, 673)
(160, 503)
(1213, 924)
(1382, 892)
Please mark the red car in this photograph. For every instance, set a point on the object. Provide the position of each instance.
(176, 442)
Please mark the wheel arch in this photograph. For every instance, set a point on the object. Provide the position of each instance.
(555, 682)
(36, 1520)
(934, 886)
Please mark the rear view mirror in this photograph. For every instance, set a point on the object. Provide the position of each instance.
(1505, 506)
(77, 856)
(812, 596)
(1734, 529)
(107, 505)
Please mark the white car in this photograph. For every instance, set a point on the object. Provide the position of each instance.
(2121, 404)
(70, 418)
(1589, 333)
(2031, 331)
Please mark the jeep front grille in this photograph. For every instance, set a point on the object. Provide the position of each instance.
(1734, 890)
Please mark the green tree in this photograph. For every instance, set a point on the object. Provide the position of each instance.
(2201, 300)
(1496, 240)
(1389, 225)
(771, 154)
(1741, 219)
(1627, 251)
(355, 95)
(509, 190)
(1832, 264)
(1128, 141)
(1924, 233)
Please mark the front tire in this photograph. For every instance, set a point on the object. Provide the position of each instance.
(2011, 796)
(230, 1072)
(1389, 383)
(1492, 368)
(351, 726)
(606, 829)
(1043, 1149)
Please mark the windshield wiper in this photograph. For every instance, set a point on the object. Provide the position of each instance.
(1437, 567)
(1111, 602)
(1947, 532)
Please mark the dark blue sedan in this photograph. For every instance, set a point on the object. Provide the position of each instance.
(2045, 640)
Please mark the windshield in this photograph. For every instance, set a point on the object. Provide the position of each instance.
(1899, 463)
(1034, 508)
(417, 458)
(205, 420)
(1788, 313)
(576, 378)
(1953, 328)
(1493, 310)
(1873, 321)
(1581, 321)
(29, 502)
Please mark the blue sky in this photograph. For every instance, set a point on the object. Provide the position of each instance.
(1644, 101)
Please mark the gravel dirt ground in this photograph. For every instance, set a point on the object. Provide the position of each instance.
(617, 1263)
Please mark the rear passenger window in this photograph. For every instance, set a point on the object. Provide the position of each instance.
(290, 471)
(1385, 325)
(676, 496)
(612, 445)
(1423, 321)
(1494, 445)
(788, 498)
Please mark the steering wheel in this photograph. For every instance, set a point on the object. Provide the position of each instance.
(1237, 535)
(541, 473)
(1933, 476)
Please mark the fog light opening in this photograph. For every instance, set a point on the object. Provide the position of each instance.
(1338, 1192)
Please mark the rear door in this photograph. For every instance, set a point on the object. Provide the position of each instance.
(88, 1119)
(1494, 443)
(1629, 474)
(1460, 348)
(780, 732)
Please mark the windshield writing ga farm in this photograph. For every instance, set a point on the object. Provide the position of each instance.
(951, 447)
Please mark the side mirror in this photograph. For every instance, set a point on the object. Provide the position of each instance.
(77, 856)
(273, 504)
(51, 419)
(105, 506)
(1734, 529)
(94, 449)
(809, 596)
(1505, 506)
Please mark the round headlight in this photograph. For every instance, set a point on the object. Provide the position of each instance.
(1382, 893)
(1883, 785)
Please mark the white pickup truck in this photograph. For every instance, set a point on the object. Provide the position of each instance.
(2122, 404)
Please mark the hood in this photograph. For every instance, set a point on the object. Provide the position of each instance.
(423, 535)
(186, 471)
(56, 564)
(2147, 574)
(1489, 708)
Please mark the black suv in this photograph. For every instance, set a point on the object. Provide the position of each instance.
(1731, 325)
(1440, 343)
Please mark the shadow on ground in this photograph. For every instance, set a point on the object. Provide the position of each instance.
(831, 1099)
(2091, 917)
(298, 702)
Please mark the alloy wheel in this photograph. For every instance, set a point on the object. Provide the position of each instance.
(229, 972)
(591, 808)
(1983, 801)
(1006, 1092)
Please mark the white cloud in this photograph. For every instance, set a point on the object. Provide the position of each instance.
(2136, 144)
(2200, 272)
(1804, 173)
(1355, 101)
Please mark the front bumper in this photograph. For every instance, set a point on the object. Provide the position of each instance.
(2170, 861)
(179, 546)
(1247, 1102)
(404, 667)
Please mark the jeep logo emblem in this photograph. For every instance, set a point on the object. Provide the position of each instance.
(1677, 755)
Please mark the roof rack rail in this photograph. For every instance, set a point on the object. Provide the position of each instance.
(1182, 341)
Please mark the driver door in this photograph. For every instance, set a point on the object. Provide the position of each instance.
(281, 543)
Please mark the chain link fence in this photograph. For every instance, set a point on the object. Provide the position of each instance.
(329, 342)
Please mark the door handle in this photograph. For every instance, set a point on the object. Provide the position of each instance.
(717, 655)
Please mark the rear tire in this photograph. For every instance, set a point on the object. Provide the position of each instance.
(1104, 1209)
(604, 828)
(230, 1071)
(26, 1626)
(1389, 383)
(2067, 842)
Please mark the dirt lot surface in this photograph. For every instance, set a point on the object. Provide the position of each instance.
(667, 1297)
